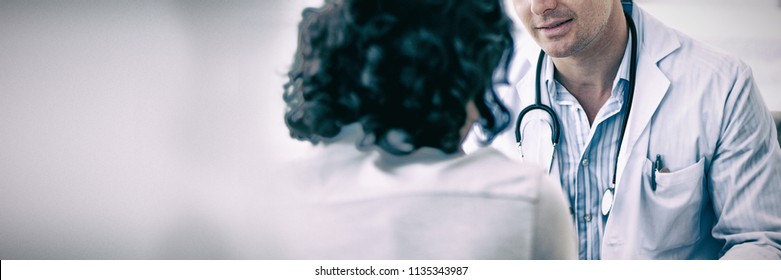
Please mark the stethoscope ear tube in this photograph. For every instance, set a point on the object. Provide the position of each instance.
(549, 111)
(538, 106)
(631, 90)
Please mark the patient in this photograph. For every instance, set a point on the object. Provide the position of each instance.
(387, 89)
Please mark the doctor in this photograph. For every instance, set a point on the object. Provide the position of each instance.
(674, 157)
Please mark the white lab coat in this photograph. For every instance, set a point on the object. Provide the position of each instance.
(701, 111)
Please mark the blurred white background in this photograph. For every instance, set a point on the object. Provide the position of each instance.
(150, 129)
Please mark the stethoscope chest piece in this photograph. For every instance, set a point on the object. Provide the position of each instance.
(607, 201)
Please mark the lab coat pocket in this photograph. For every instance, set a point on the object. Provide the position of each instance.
(673, 207)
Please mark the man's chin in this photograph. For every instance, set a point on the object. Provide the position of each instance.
(557, 52)
(555, 48)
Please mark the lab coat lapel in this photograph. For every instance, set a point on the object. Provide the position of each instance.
(651, 83)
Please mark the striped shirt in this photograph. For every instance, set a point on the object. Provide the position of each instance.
(587, 153)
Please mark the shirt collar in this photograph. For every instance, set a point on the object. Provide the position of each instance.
(623, 71)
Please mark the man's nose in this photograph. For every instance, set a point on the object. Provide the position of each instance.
(540, 7)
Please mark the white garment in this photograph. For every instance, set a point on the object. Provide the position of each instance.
(702, 112)
(428, 205)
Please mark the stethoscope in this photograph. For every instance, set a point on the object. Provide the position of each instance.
(609, 195)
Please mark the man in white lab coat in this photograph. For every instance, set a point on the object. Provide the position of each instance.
(695, 161)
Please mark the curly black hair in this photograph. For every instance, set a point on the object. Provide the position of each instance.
(403, 69)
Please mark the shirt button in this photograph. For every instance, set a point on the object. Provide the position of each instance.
(587, 217)
(584, 162)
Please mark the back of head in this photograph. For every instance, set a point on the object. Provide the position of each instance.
(403, 69)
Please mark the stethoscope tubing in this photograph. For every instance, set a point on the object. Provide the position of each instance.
(556, 130)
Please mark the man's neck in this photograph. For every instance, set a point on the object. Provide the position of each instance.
(589, 74)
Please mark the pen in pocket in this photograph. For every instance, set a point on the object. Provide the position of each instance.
(656, 166)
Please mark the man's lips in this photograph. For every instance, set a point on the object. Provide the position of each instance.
(555, 29)
(554, 24)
